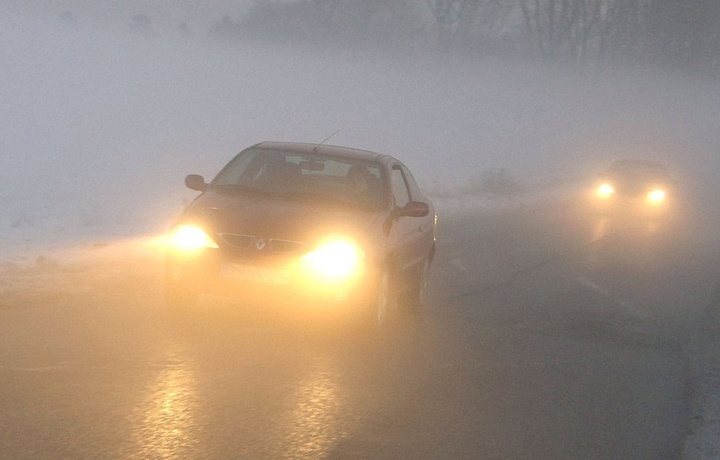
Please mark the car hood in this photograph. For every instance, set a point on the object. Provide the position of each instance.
(273, 217)
(635, 183)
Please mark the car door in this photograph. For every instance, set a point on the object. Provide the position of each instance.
(426, 225)
(410, 241)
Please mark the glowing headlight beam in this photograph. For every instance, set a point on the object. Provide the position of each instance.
(605, 190)
(190, 238)
(656, 196)
(334, 260)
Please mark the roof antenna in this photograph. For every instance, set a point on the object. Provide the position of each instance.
(325, 140)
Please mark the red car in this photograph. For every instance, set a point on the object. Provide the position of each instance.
(307, 226)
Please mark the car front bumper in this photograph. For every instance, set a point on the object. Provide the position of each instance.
(631, 206)
(277, 282)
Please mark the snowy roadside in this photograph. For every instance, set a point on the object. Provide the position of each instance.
(37, 231)
(703, 441)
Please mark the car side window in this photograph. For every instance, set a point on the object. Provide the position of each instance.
(401, 195)
(415, 192)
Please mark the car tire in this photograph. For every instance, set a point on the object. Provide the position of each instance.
(382, 308)
(416, 297)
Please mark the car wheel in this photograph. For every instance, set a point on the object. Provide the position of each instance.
(415, 298)
(383, 306)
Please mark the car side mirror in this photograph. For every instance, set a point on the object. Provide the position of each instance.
(195, 182)
(413, 209)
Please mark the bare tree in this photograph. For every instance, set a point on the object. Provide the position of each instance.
(370, 22)
(577, 32)
(684, 32)
(468, 22)
(606, 31)
(623, 30)
(384, 23)
(447, 15)
(562, 29)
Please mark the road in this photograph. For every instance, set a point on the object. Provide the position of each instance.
(550, 333)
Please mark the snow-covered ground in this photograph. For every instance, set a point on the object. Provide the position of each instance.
(98, 129)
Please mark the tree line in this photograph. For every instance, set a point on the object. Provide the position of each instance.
(683, 33)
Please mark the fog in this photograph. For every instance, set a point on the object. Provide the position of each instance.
(551, 331)
(99, 126)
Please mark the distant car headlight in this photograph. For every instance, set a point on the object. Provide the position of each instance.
(656, 196)
(190, 238)
(335, 260)
(605, 191)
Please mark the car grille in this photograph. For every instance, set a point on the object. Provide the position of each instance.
(285, 246)
(237, 241)
(274, 245)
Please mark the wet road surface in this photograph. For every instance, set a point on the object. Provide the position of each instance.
(549, 334)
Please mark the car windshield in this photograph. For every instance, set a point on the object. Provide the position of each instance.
(308, 176)
(638, 168)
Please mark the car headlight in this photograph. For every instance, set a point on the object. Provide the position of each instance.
(656, 196)
(335, 260)
(605, 190)
(190, 238)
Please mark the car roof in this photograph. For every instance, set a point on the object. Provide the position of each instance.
(633, 163)
(324, 149)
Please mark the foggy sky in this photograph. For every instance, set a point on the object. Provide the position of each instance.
(116, 14)
(100, 126)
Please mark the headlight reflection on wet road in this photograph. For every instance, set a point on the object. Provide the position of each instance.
(300, 416)
(167, 426)
(315, 423)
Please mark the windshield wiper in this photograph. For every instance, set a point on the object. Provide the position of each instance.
(311, 196)
(238, 188)
(327, 199)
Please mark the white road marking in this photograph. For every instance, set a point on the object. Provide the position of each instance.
(629, 306)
